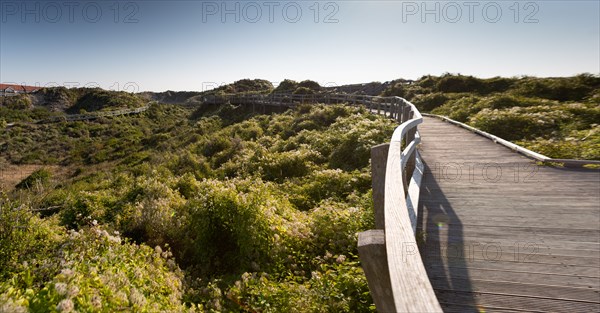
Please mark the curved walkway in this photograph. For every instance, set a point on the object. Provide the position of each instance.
(500, 233)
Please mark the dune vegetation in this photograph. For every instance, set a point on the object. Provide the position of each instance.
(178, 210)
(212, 208)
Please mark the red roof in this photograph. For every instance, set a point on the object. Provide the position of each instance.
(18, 88)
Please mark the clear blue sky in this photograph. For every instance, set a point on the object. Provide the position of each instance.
(193, 45)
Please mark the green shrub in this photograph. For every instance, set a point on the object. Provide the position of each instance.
(303, 91)
(319, 117)
(186, 162)
(336, 285)
(397, 89)
(95, 271)
(247, 130)
(215, 145)
(335, 226)
(82, 208)
(584, 116)
(428, 102)
(310, 84)
(227, 226)
(576, 88)
(39, 177)
(460, 109)
(286, 86)
(327, 184)
(517, 123)
(151, 212)
(506, 102)
(427, 82)
(496, 85)
(458, 83)
(582, 145)
(24, 236)
(243, 86)
(98, 99)
(356, 137)
(208, 125)
(279, 166)
(17, 102)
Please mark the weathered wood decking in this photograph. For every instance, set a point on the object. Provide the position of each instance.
(500, 233)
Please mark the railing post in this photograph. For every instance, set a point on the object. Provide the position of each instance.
(373, 259)
(401, 105)
(371, 243)
(405, 113)
(410, 163)
(379, 155)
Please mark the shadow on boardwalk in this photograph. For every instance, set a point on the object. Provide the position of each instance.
(445, 261)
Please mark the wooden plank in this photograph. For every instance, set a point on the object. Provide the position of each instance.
(555, 210)
(514, 303)
(473, 274)
(518, 289)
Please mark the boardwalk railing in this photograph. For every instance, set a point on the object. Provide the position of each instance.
(524, 151)
(389, 254)
(388, 106)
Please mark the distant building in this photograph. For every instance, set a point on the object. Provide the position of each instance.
(11, 90)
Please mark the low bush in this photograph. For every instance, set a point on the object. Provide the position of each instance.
(98, 99)
(519, 123)
(428, 102)
(303, 91)
(286, 86)
(458, 83)
(39, 177)
(44, 268)
(310, 84)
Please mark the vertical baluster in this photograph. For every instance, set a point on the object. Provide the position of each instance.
(410, 164)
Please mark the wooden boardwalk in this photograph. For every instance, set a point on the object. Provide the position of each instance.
(499, 233)
(496, 232)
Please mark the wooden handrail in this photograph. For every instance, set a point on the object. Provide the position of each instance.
(410, 287)
(390, 257)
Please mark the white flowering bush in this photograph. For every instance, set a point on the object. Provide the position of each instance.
(335, 285)
(517, 123)
(90, 270)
